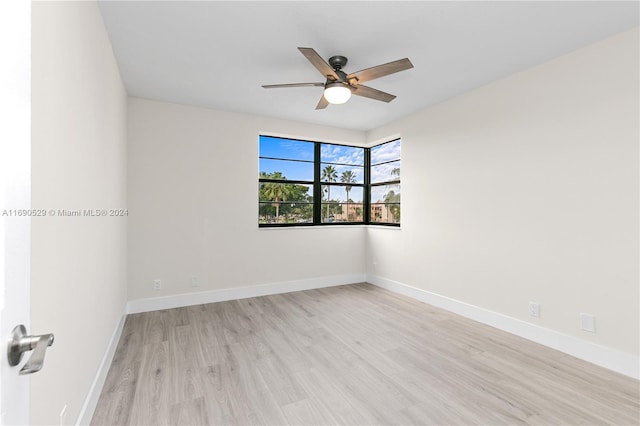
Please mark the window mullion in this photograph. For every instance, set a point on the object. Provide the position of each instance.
(317, 188)
(367, 185)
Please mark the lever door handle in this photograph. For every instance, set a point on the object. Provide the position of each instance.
(20, 342)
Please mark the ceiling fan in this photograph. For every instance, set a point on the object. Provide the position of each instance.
(339, 86)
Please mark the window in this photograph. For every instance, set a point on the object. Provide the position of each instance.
(385, 183)
(314, 183)
(286, 181)
(342, 180)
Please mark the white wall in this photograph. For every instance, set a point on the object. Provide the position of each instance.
(527, 190)
(78, 288)
(192, 198)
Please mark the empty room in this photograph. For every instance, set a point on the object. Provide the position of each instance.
(320, 213)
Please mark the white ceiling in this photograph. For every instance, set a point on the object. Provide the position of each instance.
(218, 54)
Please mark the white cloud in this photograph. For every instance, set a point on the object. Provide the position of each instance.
(383, 172)
(385, 152)
(342, 154)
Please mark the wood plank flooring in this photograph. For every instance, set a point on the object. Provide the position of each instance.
(351, 355)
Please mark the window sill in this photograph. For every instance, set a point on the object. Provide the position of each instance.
(397, 228)
(324, 227)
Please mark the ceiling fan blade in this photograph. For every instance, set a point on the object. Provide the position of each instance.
(379, 71)
(323, 103)
(370, 92)
(277, 86)
(320, 64)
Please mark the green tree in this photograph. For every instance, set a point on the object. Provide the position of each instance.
(348, 177)
(329, 174)
(394, 197)
(392, 203)
(297, 193)
(276, 192)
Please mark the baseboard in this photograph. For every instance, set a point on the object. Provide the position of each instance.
(91, 401)
(609, 358)
(190, 299)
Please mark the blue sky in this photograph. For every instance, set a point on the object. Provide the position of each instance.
(385, 152)
(285, 148)
(341, 157)
(382, 154)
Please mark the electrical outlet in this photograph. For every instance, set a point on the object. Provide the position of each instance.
(157, 285)
(588, 322)
(534, 309)
(195, 282)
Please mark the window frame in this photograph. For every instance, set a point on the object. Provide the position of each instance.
(372, 185)
(318, 184)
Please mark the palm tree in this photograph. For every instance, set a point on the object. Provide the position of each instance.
(329, 174)
(275, 191)
(348, 177)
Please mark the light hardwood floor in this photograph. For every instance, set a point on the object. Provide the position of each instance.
(353, 355)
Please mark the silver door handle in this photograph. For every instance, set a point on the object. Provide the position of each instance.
(19, 343)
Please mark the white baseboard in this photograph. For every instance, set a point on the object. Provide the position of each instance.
(609, 358)
(189, 299)
(91, 401)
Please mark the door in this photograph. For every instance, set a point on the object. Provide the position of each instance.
(15, 172)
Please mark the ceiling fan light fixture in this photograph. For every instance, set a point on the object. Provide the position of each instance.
(337, 93)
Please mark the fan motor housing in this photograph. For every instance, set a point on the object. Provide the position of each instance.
(342, 78)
